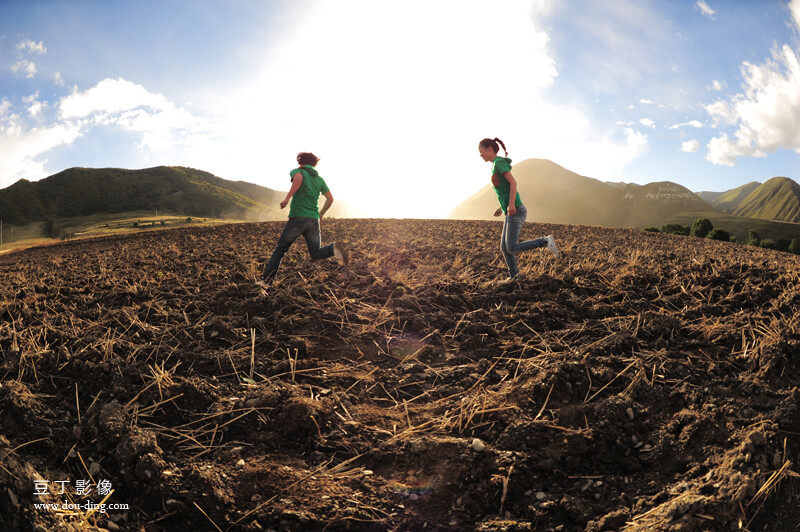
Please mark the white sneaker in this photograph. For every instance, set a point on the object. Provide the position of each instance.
(340, 252)
(551, 245)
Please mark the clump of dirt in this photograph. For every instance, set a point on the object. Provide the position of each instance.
(639, 382)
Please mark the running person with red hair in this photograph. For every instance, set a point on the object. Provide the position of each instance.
(505, 187)
(304, 217)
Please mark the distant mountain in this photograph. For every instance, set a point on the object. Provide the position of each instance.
(177, 190)
(553, 194)
(775, 199)
(729, 200)
(709, 197)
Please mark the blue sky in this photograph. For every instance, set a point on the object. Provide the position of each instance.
(394, 96)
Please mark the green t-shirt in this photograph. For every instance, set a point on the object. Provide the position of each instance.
(500, 166)
(305, 202)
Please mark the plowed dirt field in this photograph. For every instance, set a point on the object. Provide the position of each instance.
(638, 382)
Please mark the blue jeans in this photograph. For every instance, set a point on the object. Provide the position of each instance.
(509, 244)
(309, 228)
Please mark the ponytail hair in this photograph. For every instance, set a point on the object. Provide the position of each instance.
(307, 158)
(494, 144)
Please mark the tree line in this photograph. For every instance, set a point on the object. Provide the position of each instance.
(703, 228)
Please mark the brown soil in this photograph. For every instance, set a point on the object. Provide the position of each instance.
(639, 382)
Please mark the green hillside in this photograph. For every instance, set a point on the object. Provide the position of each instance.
(651, 204)
(776, 199)
(708, 196)
(730, 200)
(85, 191)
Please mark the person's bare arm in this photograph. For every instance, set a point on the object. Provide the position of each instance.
(297, 180)
(327, 205)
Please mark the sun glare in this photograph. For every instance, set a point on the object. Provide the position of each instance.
(397, 120)
(393, 119)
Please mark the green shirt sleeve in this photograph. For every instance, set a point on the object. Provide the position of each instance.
(500, 166)
(324, 188)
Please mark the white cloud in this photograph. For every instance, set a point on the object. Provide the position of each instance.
(716, 85)
(118, 102)
(721, 113)
(690, 146)
(794, 8)
(705, 9)
(691, 123)
(27, 67)
(646, 101)
(110, 96)
(32, 47)
(647, 122)
(5, 106)
(635, 139)
(58, 80)
(765, 114)
(36, 106)
(724, 151)
(20, 150)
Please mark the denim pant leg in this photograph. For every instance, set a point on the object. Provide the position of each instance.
(515, 247)
(511, 230)
(510, 245)
(314, 240)
(293, 229)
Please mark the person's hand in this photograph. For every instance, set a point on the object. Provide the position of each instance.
(512, 210)
(498, 212)
(284, 203)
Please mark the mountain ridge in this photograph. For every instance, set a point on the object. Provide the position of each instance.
(554, 194)
(727, 201)
(551, 192)
(777, 198)
(557, 195)
(83, 191)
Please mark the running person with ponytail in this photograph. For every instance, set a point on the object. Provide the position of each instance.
(304, 217)
(505, 186)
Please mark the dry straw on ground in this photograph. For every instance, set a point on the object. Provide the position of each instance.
(639, 382)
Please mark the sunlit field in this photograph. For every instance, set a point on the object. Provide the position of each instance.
(35, 234)
(638, 382)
